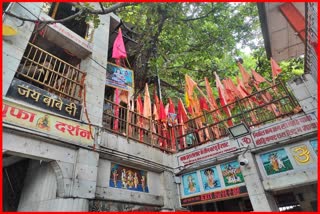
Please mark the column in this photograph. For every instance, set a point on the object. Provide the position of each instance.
(260, 199)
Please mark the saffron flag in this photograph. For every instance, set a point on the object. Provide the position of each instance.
(146, 103)
(210, 95)
(190, 84)
(222, 97)
(276, 70)
(119, 50)
(244, 74)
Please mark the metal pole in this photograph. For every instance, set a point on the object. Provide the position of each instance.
(157, 74)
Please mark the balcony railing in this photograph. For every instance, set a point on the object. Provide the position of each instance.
(50, 73)
(132, 125)
(257, 109)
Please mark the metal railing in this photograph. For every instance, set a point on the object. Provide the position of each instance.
(122, 121)
(259, 108)
(50, 73)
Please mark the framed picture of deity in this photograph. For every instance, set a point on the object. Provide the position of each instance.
(231, 173)
(210, 178)
(119, 77)
(190, 183)
(124, 177)
(276, 161)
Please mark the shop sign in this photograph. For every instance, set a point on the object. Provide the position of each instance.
(123, 177)
(208, 152)
(276, 161)
(119, 77)
(224, 194)
(285, 130)
(46, 123)
(20, 90)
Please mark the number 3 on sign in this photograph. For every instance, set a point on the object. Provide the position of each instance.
(301, 154)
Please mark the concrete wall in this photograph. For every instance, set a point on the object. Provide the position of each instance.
(305, 90)
(14, 46)
(139, 153)
(95, 66)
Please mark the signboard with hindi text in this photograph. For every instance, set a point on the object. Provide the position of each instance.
(284, 130)
(51, 125)
(33, 95)
(119, 77)
(208, 152)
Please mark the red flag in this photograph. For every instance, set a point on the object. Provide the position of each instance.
(119, 50)
(257, 77)
(203, 104)
(276, 70)
(140, 119)
(116, 110)
(244, 74)
(162, 113)
(182, 112)
(222, 96)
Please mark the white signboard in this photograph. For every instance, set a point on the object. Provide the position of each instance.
(285, 130)
(212, 150)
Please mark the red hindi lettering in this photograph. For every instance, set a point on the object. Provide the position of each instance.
(85, 134)
(21, 114)
(61, 126)
(4, 110)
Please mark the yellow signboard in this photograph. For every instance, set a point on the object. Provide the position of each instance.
(46, 123)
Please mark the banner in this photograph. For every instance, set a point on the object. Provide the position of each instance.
(54, 126)
(119, 77)
(210, 151)
(288, 129)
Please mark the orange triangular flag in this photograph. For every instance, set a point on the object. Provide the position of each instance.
(276, 70)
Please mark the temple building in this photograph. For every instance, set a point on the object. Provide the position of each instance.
(70, 144)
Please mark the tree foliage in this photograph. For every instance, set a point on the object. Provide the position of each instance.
(193, 38)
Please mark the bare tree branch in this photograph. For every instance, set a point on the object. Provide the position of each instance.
(82, 11)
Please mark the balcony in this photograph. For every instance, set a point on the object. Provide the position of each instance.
(46, 71)
(265, 106)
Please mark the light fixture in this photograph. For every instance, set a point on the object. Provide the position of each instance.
(239, 130)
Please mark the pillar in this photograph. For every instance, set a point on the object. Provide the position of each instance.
(260, 199)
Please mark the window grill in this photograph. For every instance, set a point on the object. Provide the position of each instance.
(52, 74)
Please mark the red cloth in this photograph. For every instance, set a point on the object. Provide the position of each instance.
(203, 104)
(119, 50)
(276, 70)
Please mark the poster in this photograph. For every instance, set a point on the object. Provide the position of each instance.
(210, 179)
(314, 144)
(231, 173)
(190, 183)
(276, 161)
(128, 178)
(119, 77)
